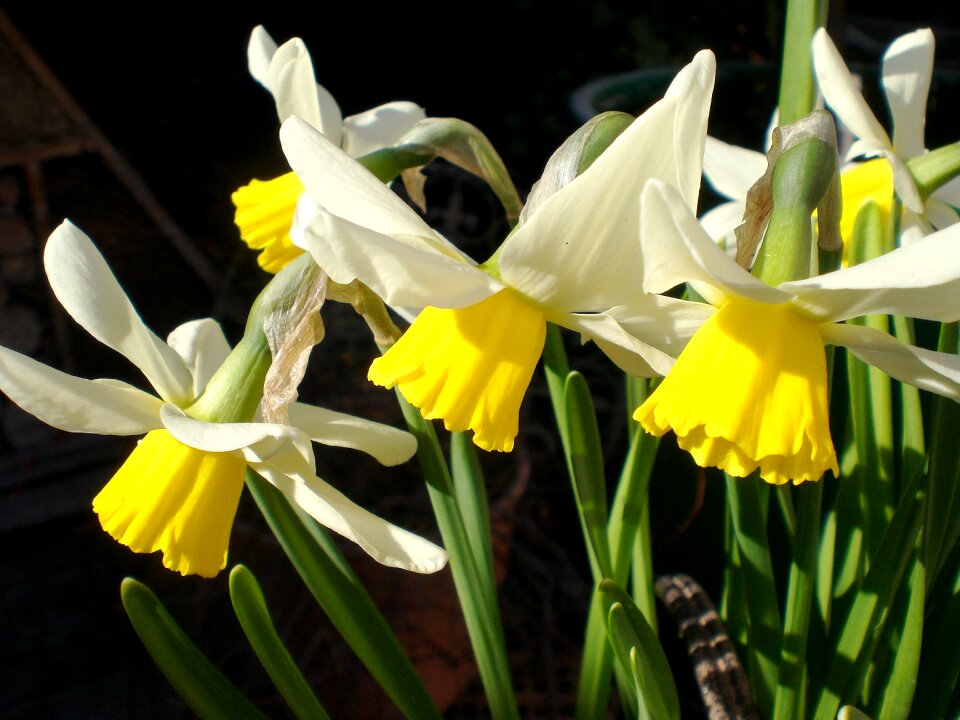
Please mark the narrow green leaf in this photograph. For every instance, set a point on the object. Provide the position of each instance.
(747, 500)
(251, 609)
(902, 641)
(555, 369)
(941, 529)
(630, 633)
(585, 465)
(939, 675)
(345, 601)
(475, 589)
(860, 630)
(790, 695)
(911, 447)
(628, 530)
(471, 493)
(205, 690)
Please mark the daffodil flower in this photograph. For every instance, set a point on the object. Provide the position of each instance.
(907, 69)
(178, 490)
(749, 391)
(575, 261)
(265, 209)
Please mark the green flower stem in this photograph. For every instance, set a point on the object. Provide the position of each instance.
(235, 390)
(204, 689)
(797, 89)
(343, 598)
(746, 499)
(251, 609)
(630, 514)
(556, 368)
(789, 698)
(475, 589)
(932, 170)
(596, 664)
(471, 493)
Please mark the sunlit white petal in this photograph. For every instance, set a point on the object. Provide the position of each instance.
(630, 354)
(907, 69)
(343, 187)
(203, 347)
(920, 280)
(260, 51)
(842, 93)
(103, 407)
(229, 437)
(386, 543)
(90, 293)
(940, 214)
(577, 252)
(379, 127)
(677, 250)
(402, 274)
(928, 370)
(732, 170)
(388, 445)
(720, 222)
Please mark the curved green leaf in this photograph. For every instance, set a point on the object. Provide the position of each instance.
(205, 690)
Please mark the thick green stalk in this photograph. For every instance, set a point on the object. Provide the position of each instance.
(797, 88)
(475, 589)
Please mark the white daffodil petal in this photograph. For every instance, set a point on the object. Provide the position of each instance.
(721, 221)
(677, 250)
(86, 288)
(904, 184)
(294, 87)
(203, 347)
(940, 214)
(920, 280)
(400, 273)
(345, 188)
(907, 69)
(383, 541)
(913, 227)
(579, 251)
(388, 445)
(630, 354)
(664, 322)
(926, 369)
(949, 193)
(732, 170)
(231, 437)
(103, 407)
(842, 92)
(379, 127)
(260, 51)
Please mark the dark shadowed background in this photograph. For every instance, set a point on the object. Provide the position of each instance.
(168, 86)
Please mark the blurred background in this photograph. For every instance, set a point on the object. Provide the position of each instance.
(137, 124)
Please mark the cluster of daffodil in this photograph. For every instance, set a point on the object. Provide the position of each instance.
(740, 371)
